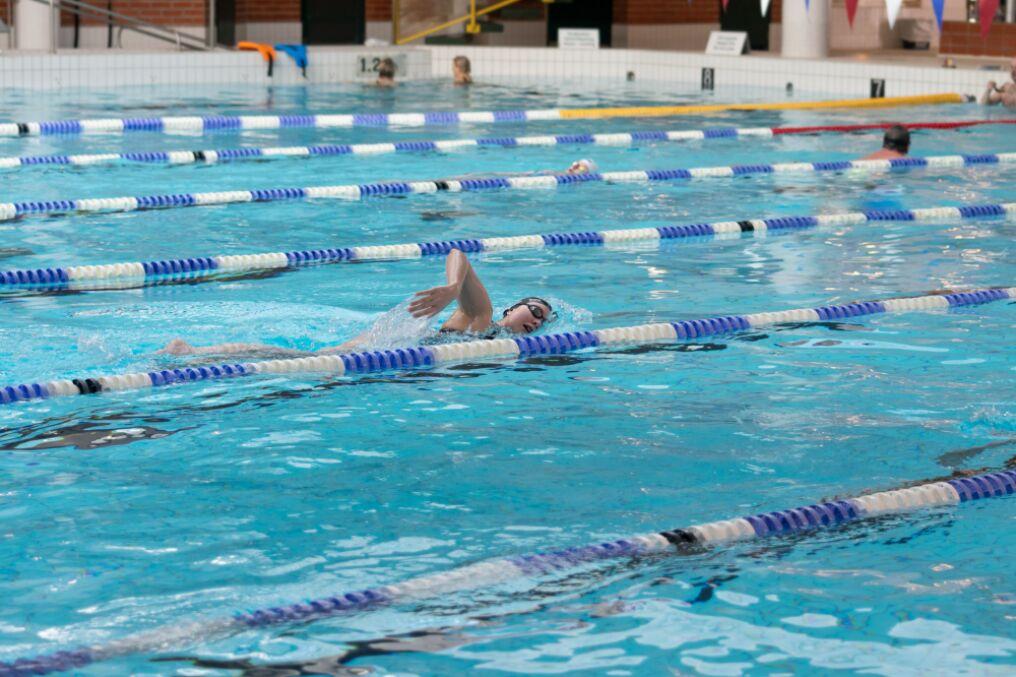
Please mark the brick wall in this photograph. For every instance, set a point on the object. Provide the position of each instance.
(379, 10)
(960, 37)
(649, 12)
(266, 11)
(192, 12)
(168, 12)
(4, 15)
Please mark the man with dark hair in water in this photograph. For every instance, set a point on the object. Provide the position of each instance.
(473, 318)
(895, 144)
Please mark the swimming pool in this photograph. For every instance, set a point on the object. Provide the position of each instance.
(128, 511)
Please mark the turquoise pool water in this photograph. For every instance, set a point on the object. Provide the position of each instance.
(124, 512)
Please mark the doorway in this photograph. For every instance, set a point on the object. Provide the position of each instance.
(580, 14)
(333, 22)
(225, 22)
(746, 15)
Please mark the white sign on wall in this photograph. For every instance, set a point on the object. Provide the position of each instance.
(578, 38)
(729, 43)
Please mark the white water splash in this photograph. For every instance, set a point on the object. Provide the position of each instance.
(396, 329)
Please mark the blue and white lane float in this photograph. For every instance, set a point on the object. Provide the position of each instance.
(198, 124)
(81, 276)
(402, 359)
(13, 210)
(181, 157)
(494, 572)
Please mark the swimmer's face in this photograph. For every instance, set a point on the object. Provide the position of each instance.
(578, 167)
(526, 316)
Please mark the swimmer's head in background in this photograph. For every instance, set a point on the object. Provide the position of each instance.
(583, 166)
(462, 70)
(527, 315)
(897, 138)
(386, 69)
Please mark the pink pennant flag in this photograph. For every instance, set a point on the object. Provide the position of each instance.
(725, 2)
(851, 11)
(987, 10)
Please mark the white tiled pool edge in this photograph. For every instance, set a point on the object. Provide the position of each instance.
(105, 69)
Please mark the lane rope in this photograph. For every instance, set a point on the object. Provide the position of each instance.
(196, 267)
(183, 157)
(493, 572)
(13, 210)
(402, 359)
(211, 123)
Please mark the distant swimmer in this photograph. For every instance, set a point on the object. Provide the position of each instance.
(385, 73)
(582, 166)
(1006, 94)
(462, 70)
(895, 144)
(473, 316)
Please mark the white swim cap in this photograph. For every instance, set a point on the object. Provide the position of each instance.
(589, 164)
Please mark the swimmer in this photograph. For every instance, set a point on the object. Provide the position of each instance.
(895, 144)
(583, 166)
(462, 70)
(1006, 94)
(472, 318)
(385, 73)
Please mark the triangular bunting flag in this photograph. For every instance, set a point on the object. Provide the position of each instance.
(852, 11)
(725, 4)
(987, 10)
(807, 5)
(765, 6)
(939, 7)
(892, 8)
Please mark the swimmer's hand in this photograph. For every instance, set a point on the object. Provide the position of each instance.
(430, 302)
(177, 347)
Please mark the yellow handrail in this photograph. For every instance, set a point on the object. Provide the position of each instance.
(471, 18)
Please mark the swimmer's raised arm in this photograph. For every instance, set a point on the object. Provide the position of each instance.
(992, 94)
(474, 312)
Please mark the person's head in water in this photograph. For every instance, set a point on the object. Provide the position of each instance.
(583, 166)
(527, 315)
(462, 70)
(897, 138)
(385, 73)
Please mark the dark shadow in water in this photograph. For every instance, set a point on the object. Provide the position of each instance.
(951, 459)
(94, 433)
(11, 252)
(667, 348)
(446, 215)
(87, 436)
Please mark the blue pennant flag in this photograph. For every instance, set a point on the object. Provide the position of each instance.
(939, 6)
